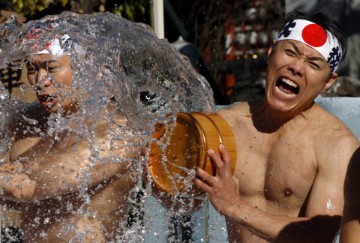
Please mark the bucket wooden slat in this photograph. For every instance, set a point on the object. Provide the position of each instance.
(225, 135)
(186, 143)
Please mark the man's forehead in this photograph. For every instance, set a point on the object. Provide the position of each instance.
(302, 48)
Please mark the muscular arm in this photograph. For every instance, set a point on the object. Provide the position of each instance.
(326, 199)
(67, 170)
(72, 165)
(14, 183)
(323, 209)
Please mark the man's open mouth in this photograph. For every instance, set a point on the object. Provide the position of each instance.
(287, 87)
(47, 98)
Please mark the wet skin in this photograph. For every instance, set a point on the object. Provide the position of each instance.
(51, 78)
(292, 156)
(47, 173)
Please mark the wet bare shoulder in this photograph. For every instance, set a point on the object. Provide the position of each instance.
(30, 120)
(235, 112)
(113, 115)
(329, 124)
(333, 136)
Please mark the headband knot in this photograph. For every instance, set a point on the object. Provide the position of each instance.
(316, 37)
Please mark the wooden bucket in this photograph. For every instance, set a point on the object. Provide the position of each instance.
(181, 146)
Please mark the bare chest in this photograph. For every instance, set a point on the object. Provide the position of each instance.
(275, 169)
(63, 214)
(34, 146)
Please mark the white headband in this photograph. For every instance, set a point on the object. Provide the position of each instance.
(57, 47)
(316, 37)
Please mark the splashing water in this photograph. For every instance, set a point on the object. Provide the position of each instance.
(111, 59)
(8, 110)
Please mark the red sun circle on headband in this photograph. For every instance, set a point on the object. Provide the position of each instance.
(314, 35)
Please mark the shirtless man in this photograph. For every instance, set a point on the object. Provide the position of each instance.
(71, 187)
(292, 154)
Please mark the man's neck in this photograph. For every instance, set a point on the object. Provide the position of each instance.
(267, 119)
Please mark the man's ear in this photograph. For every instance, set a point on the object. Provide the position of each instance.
(271, 49)
(331, 80)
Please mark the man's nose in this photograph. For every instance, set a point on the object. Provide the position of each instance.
(42, 78)
(297, 66)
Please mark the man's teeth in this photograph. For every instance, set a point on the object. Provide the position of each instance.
(289, 82)
(279, 91)
(47, 98)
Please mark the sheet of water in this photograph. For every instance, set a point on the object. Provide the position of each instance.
(112, 59)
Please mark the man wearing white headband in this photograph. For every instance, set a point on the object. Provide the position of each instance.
(316, 37)
(292, 155)
(58, 46)
(53, 64)
(65, 193)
